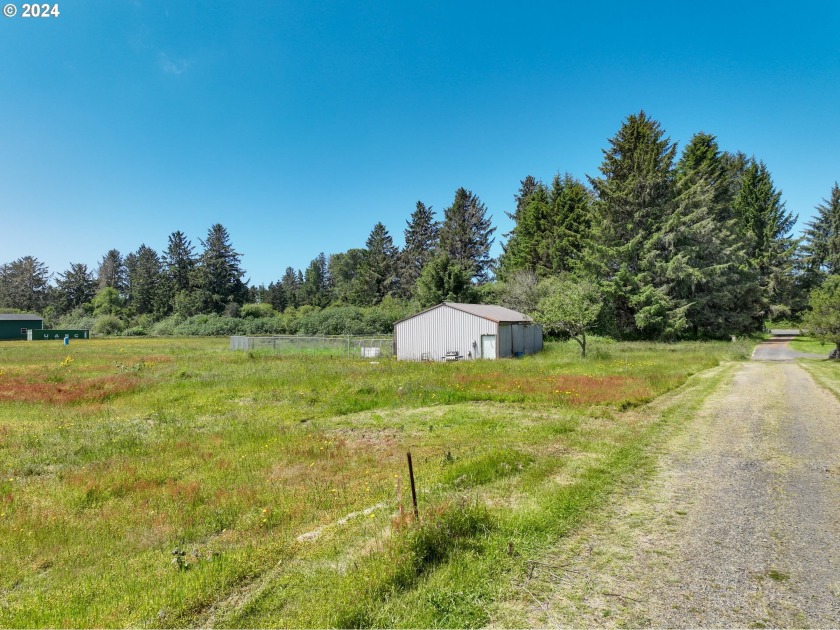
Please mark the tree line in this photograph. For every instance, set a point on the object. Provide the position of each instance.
(660, 244)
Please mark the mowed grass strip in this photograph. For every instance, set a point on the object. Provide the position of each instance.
(187, 496)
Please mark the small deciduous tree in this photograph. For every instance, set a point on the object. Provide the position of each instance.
(521, 291)
(823, 320)
(570, 308)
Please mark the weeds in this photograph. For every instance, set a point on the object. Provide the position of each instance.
(150, 445)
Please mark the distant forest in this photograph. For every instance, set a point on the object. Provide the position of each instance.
(695, 244)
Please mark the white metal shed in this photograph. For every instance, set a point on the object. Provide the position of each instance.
(453, 331)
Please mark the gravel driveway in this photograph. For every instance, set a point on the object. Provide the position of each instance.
(739, 528)
(777, 349)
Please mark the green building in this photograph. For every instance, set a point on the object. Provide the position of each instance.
(14, 325)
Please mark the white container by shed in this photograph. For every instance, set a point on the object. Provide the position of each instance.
(453, 331)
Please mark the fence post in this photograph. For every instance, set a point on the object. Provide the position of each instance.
(413, 490)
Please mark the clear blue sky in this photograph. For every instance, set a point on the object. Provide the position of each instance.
(298, 125)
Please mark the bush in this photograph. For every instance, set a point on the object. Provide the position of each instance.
(232, 309)
(135, 331)
(108, 325)
(254, 311)
(76, 320)
(165, 327)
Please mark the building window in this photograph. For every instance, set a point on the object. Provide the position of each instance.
(23, 331)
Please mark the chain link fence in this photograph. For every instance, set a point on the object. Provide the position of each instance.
(336, 346)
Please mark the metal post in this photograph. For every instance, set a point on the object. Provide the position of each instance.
(413, 490)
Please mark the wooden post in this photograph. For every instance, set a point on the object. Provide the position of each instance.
(413, 490)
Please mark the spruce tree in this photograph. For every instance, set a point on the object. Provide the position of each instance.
(552, 228)
(220, 271)
(421, 242)
(74, 287)
(179, 262)
(526, 247)
(379, 270)
(112, 272)
(466, 235)
(145, 272)
(290, 284)
(700, 262)
(821, 247)
(570, 228)
(635, 196)
(314, 286)
(765, 225)
(24, 284)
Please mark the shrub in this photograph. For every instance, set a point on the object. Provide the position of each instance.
(108, 325)
(165, 327)
(135, 331)
(254, 311)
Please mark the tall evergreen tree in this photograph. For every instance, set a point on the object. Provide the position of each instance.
(766, 226)
(527, 187)
(220, 270)
(290, 282)
(571, 209)
(821, 247)
(421, 241)
(145, 273)
(551, 228)
(314, 288)
(466, 235)
(112, 272)
(700, 262)
(24, 284)
(523, 250)
(634, 198)
(179, 262)
(379, 270)
(74, 287)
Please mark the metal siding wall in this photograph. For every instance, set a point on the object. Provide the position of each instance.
(503, 343)
(441, 330)
(528, 341)
(518, 343)
(10, 328)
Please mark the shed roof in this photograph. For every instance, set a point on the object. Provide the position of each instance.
(491, 312)
(19, 317)
(485, 311)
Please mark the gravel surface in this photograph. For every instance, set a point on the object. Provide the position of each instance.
(777, 349)
(740, 527)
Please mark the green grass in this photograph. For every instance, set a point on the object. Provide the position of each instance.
(808, 344)
(133, 449)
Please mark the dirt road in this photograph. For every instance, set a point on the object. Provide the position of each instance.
(740, 526)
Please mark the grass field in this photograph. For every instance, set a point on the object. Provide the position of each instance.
(172, 482)
(808, 344)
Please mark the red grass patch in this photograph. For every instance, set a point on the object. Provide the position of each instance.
(569, 388)
(69, 390)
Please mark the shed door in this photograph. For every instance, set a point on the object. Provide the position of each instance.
(488, 346)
